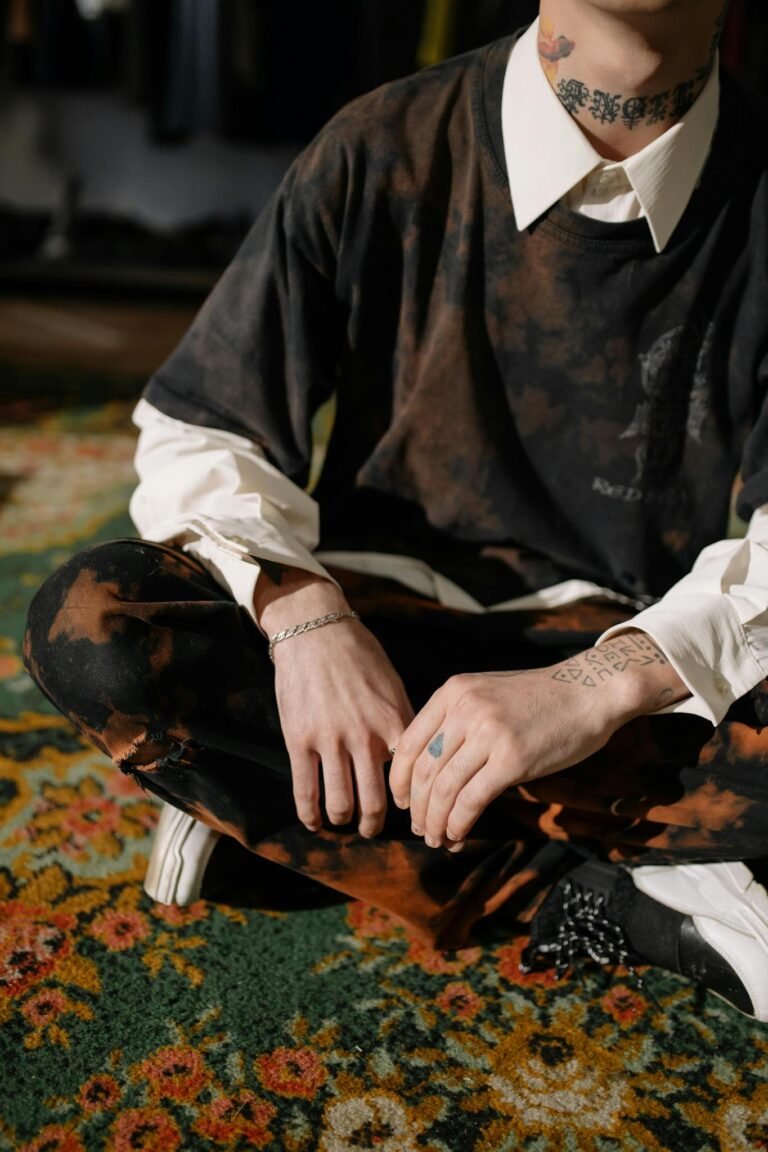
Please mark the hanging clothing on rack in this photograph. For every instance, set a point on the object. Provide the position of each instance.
(93, 9)
(191, 97)
(438, 37)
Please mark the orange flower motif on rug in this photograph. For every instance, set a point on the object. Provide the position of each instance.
(55, 1138)
(177, 1072)
(99, 1094)
(83, 821)
(34, 944)
(298, 1072)
(147, 1129)
(118, 930)
(461, 1001)
(240, 1119)
(624, 1004)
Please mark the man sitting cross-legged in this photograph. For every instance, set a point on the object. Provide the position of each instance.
(533, 278)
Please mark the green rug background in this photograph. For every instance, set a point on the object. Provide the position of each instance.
(128, 1026)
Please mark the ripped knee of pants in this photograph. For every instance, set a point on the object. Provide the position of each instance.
(153, 753)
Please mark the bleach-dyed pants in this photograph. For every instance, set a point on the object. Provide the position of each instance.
(159, 668)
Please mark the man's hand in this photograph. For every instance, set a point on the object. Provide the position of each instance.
(342, 704)
(482, 733)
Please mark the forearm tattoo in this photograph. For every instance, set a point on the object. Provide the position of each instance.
(592, 668)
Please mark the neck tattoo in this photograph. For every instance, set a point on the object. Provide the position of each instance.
(610, 107)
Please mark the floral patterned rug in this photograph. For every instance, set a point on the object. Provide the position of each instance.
(132, 1027)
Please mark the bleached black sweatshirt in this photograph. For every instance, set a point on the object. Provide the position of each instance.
(563, 395)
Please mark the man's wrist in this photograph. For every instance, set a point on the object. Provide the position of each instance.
(308, 626)
(286, 596)
(630, 672)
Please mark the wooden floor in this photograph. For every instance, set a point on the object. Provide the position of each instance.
(117, 338)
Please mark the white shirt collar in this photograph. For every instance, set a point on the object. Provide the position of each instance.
(547, 154)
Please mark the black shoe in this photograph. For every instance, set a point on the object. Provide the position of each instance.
(706, 921)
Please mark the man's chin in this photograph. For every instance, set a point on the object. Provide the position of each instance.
(631, 8)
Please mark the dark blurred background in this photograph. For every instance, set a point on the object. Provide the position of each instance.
(139, 138)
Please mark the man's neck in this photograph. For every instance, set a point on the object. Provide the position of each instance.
(626, 77)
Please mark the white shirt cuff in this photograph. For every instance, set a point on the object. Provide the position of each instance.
(233, 560)
(706, 643)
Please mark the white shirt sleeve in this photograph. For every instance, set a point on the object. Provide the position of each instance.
(713, 624)
(216, 495)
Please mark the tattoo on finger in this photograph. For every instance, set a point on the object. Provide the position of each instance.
(435, 748)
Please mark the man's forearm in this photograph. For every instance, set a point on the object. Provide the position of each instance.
(632, 667)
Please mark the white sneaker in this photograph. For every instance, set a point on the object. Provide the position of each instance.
(726, 917)
(180, 853)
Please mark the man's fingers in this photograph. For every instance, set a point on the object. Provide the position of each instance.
(453, 776)
(345, 783)
(371, 793)
(427, 770)
(306, 788)
(337, 783)
(473, 799)
(419, 733)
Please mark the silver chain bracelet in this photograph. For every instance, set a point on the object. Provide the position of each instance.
(308, 626)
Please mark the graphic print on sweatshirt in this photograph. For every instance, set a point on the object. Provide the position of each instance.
(656, 414)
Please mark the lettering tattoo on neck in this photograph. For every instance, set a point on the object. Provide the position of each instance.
(594, 667)
(632, 111)
(608, 107)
